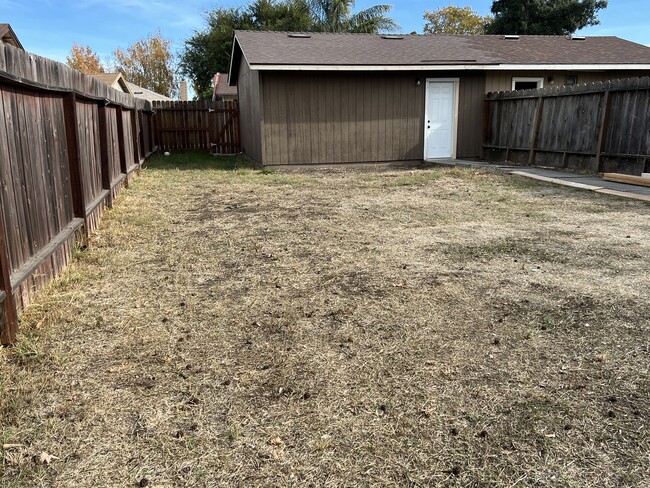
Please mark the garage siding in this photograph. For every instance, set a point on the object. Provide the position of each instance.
(353, 117)
(248, 90)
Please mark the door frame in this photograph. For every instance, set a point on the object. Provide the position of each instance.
(454, 140)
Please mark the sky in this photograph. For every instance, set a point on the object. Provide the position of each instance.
(49, 27)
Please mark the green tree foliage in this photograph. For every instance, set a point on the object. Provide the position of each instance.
(455, 20)
(544, 17)
(150, 64)
(337, 16)
(208, 51)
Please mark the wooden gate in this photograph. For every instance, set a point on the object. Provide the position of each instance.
(198, 126)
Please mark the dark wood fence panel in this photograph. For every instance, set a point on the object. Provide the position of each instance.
(600, 126)
(35, 175)
(198, 126)
(128, 141)
(67, 142)
(88, 134)
(113, 154)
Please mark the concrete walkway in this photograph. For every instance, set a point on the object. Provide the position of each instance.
(559, 177)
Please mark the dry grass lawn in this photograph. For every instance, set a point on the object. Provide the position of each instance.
(434, 327)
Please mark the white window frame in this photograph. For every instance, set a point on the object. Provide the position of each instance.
(538, 79)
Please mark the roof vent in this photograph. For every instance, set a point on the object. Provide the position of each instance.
(578, 38)
(299, 36)
(388, 36)
(511, 37)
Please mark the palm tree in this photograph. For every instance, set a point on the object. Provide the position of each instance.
(337, 16)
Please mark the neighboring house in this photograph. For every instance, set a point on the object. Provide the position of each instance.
(338, 98)
(8, 36)
(118, 81)
(152, 96)
(222, 89)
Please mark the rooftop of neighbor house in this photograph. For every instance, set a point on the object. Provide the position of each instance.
(223, 88)
(108, 78)
(327, 49)
(8, 36)
(144, 93)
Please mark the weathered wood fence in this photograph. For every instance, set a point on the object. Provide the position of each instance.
(600, 127)
(68, 143)
(199, 126)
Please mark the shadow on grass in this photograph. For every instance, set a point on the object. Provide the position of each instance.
(191, 160)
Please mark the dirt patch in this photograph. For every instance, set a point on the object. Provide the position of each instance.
(335, 328)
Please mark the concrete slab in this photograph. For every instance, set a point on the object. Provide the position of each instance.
(558, 177)
(624, 194)
(557, 181)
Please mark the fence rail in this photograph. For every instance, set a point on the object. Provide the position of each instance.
(200, 125)
(68, 144)
(599, 127)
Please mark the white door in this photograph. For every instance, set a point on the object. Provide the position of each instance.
(439, 120)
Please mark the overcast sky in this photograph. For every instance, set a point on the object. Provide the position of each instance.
(49, 27)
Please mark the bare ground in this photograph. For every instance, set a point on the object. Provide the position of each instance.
(434, 327)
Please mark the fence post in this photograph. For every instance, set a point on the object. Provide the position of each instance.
(103, 149)
(9, 317)
(486, 126)
(74, 160)
(121, 138)
(534, 136)
(157, 140)
(134, 135)
(602, 132)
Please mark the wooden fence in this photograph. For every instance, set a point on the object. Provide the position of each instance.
(599, 127)
(68, 143)
(199, 126)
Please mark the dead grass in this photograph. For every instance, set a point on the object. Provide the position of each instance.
(339, 328)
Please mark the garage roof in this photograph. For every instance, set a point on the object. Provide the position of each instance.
(285, 50)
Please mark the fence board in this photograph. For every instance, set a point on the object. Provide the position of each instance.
(602, 126)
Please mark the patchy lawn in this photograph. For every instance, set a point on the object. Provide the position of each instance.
(339, 328)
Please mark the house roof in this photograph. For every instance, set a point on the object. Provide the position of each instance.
(283, 50)
(116, 80)
(223, 88)
(145, 94)
(8, 36)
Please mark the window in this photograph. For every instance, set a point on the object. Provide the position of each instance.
(526, 83)
(571, 80)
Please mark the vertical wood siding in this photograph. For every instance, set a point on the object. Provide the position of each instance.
(248, 90)
(351, 117)
(470, 117)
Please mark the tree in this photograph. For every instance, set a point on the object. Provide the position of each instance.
(455, 20)
(208, 51)
(337, 16)
(544, 17)
(85, 60)
(149, 63)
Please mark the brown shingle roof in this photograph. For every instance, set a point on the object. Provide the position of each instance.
(223, 88)
(145, 94)
(374, 50)
(108, 78)
(116, 80)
